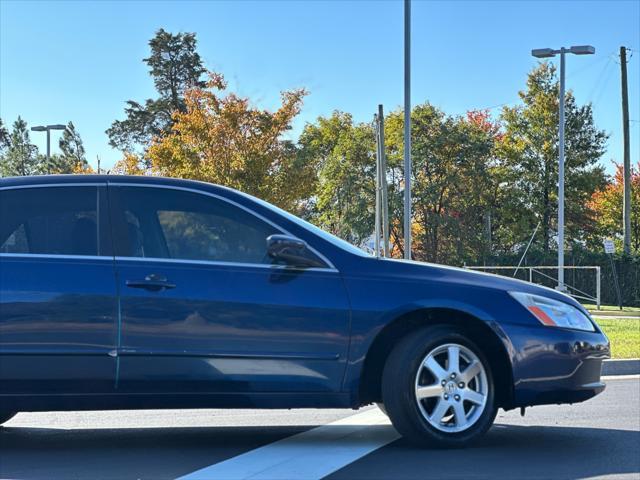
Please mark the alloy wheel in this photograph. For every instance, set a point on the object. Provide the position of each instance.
(451, 388)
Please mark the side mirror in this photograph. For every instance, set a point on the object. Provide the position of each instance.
(292, 251)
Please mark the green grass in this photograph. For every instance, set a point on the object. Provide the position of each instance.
(624, 335)
(592, 306)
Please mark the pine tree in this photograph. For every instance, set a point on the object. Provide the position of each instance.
(20, 155)
(72, 156)
(175, 66)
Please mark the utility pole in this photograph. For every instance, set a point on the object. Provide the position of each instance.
(98, 158)
(382, 201)
(626, 208)
(407, 129)
(376, 241)
(383, 179)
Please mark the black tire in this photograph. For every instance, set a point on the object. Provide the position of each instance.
(382, 408)
(398, 389)
(6, 416)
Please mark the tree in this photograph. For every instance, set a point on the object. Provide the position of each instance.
(454, 181)
(224, 139)
(530, 148)
(4, 137)
(20, 156)
(175, 66)
(342, 155)
(73, 154)
(129, 164)
(453, 187)
(606, 206)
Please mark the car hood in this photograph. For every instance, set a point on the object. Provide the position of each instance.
(443, 273)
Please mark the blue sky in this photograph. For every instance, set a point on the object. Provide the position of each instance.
(81, 60)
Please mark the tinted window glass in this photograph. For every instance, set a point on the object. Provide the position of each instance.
(165, 223)
(343, 244)
(55, 221)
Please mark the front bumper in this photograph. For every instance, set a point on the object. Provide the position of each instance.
(555, 365)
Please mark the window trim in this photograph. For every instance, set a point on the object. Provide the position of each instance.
(329, 268)
(63, 256)
(58, 256)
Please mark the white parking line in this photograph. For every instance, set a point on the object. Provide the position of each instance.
(309, 455)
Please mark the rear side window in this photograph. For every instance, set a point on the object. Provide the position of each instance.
(175, 224)
(49, 220)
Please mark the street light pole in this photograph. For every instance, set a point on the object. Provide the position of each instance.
(548, 53)
(561, 286)
(48, 151)
(407, 129)
(48, 128)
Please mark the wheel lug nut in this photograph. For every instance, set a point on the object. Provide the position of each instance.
(457, 397)
(443, 383)
(446, 397)
(453, 375)
(461, 385)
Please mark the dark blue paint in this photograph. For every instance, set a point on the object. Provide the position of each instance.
(57, 325)
(233, 329)
(246, 336)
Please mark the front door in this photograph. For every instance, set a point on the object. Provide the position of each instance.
(58, 302)
(205, 310)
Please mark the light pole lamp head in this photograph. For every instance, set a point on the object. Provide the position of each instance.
(57, 127)
(543, 52)
(582, 50)
(39, 128)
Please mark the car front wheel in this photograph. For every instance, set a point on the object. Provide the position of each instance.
(438, 388)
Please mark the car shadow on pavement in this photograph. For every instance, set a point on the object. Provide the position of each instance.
(122, 453)
(505, 452)
(510, 451)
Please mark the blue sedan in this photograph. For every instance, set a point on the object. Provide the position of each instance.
(138, 292)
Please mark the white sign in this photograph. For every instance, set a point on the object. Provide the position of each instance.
(609, 247)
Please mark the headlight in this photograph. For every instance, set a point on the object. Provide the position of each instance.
(554, 313)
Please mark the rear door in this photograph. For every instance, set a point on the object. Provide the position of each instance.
(58, 302)
(204, 309)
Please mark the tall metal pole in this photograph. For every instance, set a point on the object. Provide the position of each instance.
(376, 242)
(561, 178)
(48, 128)
(383, 178)
(626, 209)
(407, 129)
(48, 151)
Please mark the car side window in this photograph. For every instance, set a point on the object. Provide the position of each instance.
(49, 220)
(176, 224)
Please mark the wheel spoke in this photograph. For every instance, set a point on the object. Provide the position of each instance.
(458, 413)
(470, 372)
(440, 411)
(428, 391)
(457, 395)
(453, 353)
(474, 397)
(435, 368)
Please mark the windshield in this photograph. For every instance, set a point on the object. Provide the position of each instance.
(338, 242)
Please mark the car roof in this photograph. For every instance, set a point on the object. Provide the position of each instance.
(77, 179)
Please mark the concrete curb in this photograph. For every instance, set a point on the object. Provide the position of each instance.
(629, 366)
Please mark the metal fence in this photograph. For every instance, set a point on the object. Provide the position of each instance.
(542, 278)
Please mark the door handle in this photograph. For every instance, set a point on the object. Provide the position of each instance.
(153, 283)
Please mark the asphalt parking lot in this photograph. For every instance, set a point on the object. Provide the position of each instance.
(597, 439)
